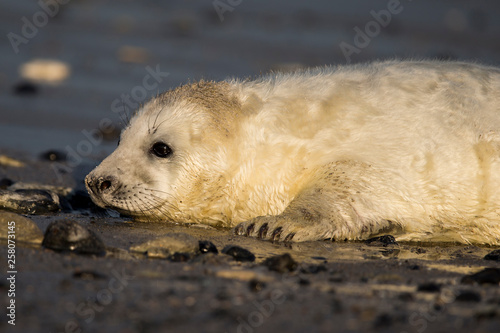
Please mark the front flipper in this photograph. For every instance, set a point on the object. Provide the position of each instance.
(342, 204)
(281, 228)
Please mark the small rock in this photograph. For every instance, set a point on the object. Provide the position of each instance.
(381, 241)
(468, 296)
(10, 162)
(238, 253)
(486, 276)
(66, 235)
(24, 229)
(25, 88)
(281, 264)
(207, 247)
(53, 156)
(256, 285)
(174, 246)
(5, 182)
(59, 190)
(494, 255)
(33, 202)
(429, 287)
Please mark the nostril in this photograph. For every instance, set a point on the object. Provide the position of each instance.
(105, 185)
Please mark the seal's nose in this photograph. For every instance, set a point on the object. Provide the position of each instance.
(100, 185)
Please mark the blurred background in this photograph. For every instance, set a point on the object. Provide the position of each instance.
(71, 68)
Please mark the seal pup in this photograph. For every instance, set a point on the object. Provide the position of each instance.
(410, 148)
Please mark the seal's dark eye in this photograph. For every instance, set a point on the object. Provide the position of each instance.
(161, 149)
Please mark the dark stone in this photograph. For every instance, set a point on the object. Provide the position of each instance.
(468, 296)
(494, 255)
(5, 182)
(25, 88)
(414, 267)
(256, 285)
(34, 202)
(429, 287)
(208, 247)
(53, 156)
(381, 241)
(66, 235)
(238, 253)
(486, 276)
(281, 264)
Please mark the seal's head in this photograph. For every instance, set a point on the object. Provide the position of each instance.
(171, 161)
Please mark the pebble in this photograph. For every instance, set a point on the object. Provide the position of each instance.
(468, 296)
(29, 201)
(238, 253)
(174, 246)
(25, 229)
(59, 190)
(53, 156)
(494, 255)
(207, 247)
(25, 88)
(429, 287)
(5, 182)
(381, 241)
(486, 276)
(67, 235)
(44, 70)
(281, 264)
(256, 285)
(10, 162)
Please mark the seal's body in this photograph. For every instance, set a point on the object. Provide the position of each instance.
(407, 148)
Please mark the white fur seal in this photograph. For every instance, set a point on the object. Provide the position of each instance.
(407, 148)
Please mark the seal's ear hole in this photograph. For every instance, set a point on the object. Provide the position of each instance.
(160, 149)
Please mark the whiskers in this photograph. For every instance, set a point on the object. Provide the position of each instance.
(144, 202)
(154, 128)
